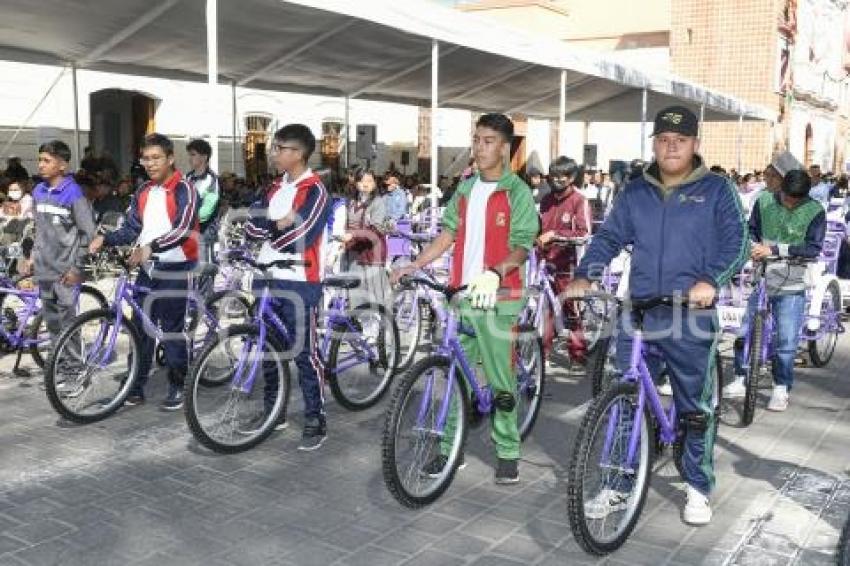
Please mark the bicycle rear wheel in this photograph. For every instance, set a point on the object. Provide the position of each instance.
(362, 357)
(229, 404)
(606, 492)
(408, 317)
(419, 457)
(530, 374)
(90, 299)
(821, 350)
(88, 376)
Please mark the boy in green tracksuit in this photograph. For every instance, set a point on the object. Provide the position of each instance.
(492, 222)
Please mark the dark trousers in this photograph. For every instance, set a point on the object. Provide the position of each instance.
(295, 302)
(165, 305)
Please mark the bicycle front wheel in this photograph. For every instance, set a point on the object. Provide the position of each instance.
(420, 453)
(232, 403)
(530, 373)
(92, 367)
(607, 484)
(755, 361)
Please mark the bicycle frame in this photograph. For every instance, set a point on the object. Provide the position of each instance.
(124, 291)
(336, 317)
(543, 288)
(452, 349)
(647, 393)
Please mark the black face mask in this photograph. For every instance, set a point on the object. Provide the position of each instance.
(559, 187)
(795, 193)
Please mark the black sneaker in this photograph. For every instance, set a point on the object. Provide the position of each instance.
(314, 434)
(507, 471)
(174, 401)
(134, 399)
(435, 467)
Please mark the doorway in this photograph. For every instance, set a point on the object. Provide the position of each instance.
(120, 119)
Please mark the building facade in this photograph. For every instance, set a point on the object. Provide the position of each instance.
(787, 55)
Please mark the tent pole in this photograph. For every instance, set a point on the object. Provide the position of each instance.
(345, 137)
(233, 127)
(77, 158)
(643, 124)
(740, 138)
(435, 89)
(212, 73)
(562, 116)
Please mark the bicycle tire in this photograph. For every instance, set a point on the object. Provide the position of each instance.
(385, 359)
(415, 336)
(821, 358)
(210, 306)
(390, 436)
(843, 554)
(534, 393)
(193, 420)
(50, 368)
(580, 460)
(754, 372)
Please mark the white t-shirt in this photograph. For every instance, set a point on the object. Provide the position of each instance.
(279, 206)
(476, 223)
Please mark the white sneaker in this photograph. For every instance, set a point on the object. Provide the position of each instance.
(665, 389)
(606, 502)
(697, 510)
(736, 389)
(778, 399)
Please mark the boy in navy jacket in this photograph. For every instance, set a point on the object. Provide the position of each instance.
(688, 234)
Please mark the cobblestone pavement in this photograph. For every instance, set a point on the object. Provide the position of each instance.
(137, 489)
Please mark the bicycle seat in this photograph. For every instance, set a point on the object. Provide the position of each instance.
(340, 282)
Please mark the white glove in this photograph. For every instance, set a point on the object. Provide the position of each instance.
(482, 290)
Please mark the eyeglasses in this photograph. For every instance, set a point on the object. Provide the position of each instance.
(158, 159)
(278, 147)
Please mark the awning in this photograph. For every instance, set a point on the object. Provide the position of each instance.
(370, 49)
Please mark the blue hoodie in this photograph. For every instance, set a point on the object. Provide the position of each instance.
(681, 235)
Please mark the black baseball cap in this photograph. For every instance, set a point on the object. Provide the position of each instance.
(676, 119)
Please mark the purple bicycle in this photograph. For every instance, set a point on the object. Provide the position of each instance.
(623, 430)
(819, 331)
(439, 398)
(94, 362)
(229, 411)
(22, 326)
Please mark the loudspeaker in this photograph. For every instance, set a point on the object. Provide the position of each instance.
(405, 158)
(590, 155)
(367, 141)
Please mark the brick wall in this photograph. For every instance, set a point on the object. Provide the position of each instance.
(730, 46)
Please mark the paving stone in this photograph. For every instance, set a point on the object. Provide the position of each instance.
(522, 548)
(430, 557)
(374, 556)
(36, 532)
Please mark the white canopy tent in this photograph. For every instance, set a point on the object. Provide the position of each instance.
(413, 52)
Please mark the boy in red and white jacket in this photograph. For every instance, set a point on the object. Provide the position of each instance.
(162, 220)
(291, 220)
(564, 212)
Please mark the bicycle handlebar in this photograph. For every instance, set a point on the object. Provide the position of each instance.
(235, 255)
(570, 241)
(409, 281)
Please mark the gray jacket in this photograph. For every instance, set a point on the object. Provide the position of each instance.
(64, 226)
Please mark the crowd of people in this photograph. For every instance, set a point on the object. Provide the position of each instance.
(492, 219)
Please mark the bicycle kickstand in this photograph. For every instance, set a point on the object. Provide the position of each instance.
(17, 371)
